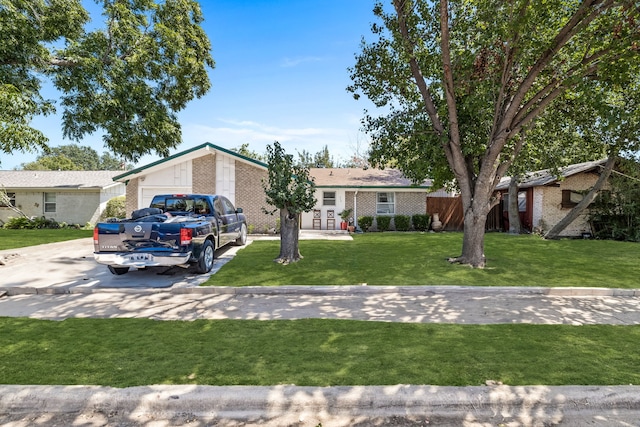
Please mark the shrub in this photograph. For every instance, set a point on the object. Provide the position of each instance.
(402, 222)
(383, 223)
(22, 223)
(17, 223)
(420, 222)
(365, 222)
(115, 208)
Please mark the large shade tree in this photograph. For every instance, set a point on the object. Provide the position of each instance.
(127, 77)
(462, 80)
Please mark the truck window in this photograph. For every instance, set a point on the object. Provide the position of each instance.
(202, 207)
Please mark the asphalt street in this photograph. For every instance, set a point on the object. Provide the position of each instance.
(62, 280)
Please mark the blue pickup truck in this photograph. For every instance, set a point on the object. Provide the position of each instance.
(176, 229)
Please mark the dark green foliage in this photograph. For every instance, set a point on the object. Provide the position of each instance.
(615, 214)
(402, 222)
(115, 208)
(127, 77)
(420, 222)
(383, 223)
(289, 185)
(365, 222)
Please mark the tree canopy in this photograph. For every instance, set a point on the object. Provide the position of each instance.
(75, 157)
(465, 83)
(127, 78)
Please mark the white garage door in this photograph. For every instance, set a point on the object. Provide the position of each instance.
(148, 193)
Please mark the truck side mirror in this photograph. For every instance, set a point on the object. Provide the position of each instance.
(238, 210)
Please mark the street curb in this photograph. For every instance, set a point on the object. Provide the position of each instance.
(334, 406)
(335, 290)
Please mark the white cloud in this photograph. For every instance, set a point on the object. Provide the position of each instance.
(294, 62)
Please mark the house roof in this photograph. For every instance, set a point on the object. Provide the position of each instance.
(182, 156)
(547, 176)
(11, 179)
(363, 178)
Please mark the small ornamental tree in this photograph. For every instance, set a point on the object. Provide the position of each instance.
(291, 190)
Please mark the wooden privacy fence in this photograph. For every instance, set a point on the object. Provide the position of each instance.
(449, 209)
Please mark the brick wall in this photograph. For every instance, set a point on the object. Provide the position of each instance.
(407, 203)
(204, 174)
(131, 203)
(251, 198)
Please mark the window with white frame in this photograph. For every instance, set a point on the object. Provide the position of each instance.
(49, 202)
(329, 198)
(386, 204)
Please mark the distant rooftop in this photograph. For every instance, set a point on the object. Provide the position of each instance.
(57, 179)
(358, 177)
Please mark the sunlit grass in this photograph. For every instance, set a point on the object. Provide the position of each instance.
(421, 259)
(10, 239)
(129, 352)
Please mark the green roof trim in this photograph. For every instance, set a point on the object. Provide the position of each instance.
(190, 150)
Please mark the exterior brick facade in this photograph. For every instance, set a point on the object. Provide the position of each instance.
(131, 204)
(251, 198)
(204, 174)
(406, 202)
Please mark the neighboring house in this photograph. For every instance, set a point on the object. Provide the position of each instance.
(368, 192)
(544, 198)
(74, 197)
(206, 169)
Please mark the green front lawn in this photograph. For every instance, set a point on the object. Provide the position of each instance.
(130, 352)
(406, 259)
(10, 239)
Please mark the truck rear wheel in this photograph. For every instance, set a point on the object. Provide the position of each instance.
(205, 260)
(118, 270)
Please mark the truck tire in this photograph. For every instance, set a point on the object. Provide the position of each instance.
(242, 239)
(205, 260)
(118, 271)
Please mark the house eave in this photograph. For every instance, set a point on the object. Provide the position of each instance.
(182, 156)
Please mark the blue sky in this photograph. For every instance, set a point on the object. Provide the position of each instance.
(281, 74)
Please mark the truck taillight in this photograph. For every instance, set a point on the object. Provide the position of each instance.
(95, 235)
(185, 236)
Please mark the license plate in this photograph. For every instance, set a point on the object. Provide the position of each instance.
(140, 257)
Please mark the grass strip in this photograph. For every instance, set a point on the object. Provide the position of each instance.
(406, 259)
(130, 352)
(10, 239)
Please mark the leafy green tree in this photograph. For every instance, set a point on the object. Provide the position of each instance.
(321, 159)
(290, 189)
(244, 150)
(109, 162)
(128, 79)
(74, 157)
(52, 163)
(460, 80)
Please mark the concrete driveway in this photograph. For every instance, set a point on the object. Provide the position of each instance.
(70, 264)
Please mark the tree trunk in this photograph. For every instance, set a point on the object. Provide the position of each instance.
(473, 239)
(514, 211)
(289, 229)
(574, 213)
